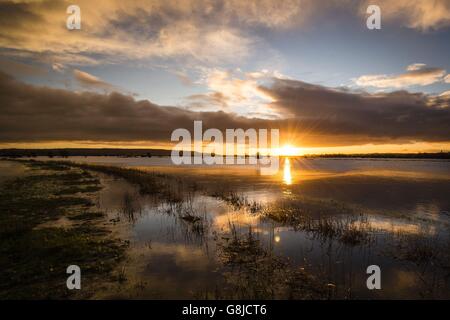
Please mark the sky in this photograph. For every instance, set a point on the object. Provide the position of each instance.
(137, 70)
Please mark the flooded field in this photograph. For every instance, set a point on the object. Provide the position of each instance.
(309, 232)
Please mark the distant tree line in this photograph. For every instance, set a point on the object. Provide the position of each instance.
(419, 155)
(67, 152)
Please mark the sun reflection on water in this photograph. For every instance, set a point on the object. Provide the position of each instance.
(287, 177)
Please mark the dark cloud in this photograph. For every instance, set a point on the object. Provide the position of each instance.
(31, 113)
(317, 116)
(16, 68)
(396, 115)
(16, 15)
(204, 102)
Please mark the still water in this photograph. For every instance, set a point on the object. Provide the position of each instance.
(405, 204)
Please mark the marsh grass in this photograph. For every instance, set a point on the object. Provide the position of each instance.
(122, 274)
(150, 183)
(87, 215)
(178, 193)
(194, 219)
(425, 250)
(237, 200)
(255, 272)
(131, 207)
(322, 219)
(428, 256)
(34, 259)
(78, 189)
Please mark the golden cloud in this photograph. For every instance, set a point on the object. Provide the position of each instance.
(418, 14)
(417, 75)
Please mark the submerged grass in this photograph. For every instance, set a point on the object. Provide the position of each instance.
(255, 272)
(323, 219)
(176, 191)
(237, 200)
(429, 257)
(150, 183)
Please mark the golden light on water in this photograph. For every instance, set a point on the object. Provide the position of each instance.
(287, 177)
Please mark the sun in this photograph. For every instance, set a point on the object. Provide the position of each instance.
(288, 150)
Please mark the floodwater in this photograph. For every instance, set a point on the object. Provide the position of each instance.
(405, 204)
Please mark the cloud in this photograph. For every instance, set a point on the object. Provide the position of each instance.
(89, 81)
(116, 31)
(441, 100)
(416, 66)
(32, 113)
(417, 14)
(447, 78)
(211, 101)
(417, 75)
(326, 113)
(59, 67)
(16, 68)
(315, 115)
(235, 91)
(198, 31)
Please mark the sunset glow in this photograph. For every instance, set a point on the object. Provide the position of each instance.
(289, 151)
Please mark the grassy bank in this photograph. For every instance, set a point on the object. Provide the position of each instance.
(48, 222)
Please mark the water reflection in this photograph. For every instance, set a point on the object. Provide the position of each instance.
(287, 177)
(239, 254)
